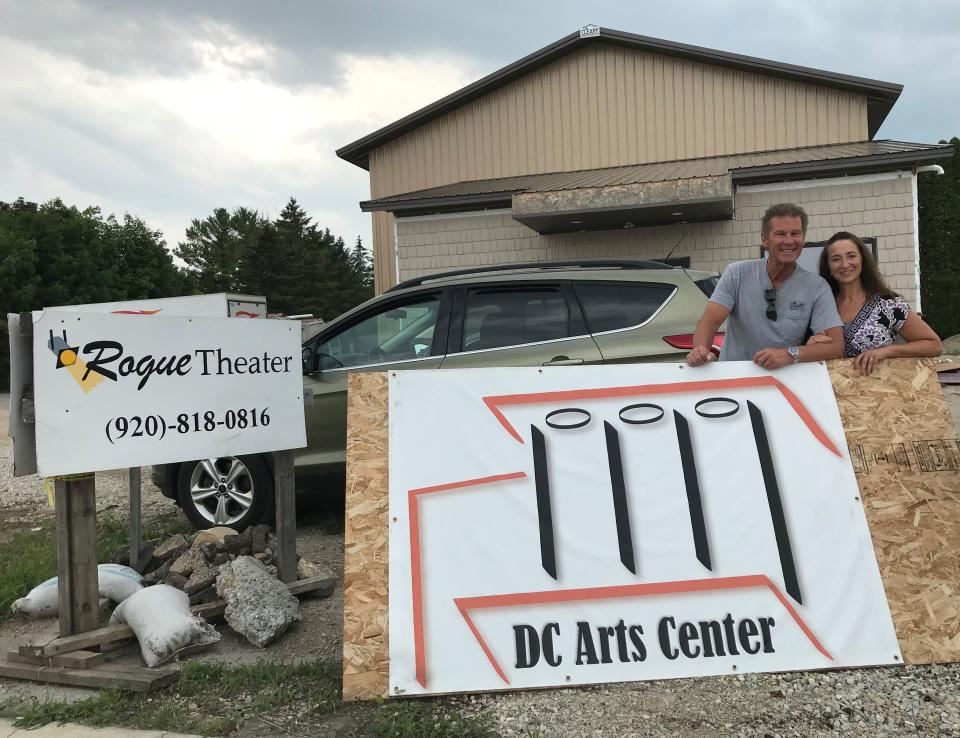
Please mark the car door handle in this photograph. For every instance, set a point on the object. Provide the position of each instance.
(562, 361)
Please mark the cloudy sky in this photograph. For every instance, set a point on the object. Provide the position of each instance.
(168, 109)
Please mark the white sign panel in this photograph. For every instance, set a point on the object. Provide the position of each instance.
(217, 305)
(582, 525)
(115, 391)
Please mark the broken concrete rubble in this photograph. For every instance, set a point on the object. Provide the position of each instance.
(259, 607)
(171, 547)
(187, 562)
(204, 567)
(213, 535)
(307, 569)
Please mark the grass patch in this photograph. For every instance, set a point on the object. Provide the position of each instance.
(30, 557)
(213, 699)
(209, 699)
(409, 719)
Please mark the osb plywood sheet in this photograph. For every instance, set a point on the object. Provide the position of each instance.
(903, 445)
(904, 449)
(365, 653)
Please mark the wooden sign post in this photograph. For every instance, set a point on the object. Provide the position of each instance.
(286, 516)
(78, 591)
(136, 528)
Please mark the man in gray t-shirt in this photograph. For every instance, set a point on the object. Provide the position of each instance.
(771, 304)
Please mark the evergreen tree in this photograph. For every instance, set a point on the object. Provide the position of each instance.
(300, 268)
(215, 246)
(261, 266)
(939, 210)
(361, 266)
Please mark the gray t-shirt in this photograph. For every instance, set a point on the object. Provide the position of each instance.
(804, 301)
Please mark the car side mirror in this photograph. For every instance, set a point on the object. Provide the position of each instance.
(308, 360)
(325, 362)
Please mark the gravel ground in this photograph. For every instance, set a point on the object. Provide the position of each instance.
(24, 500)
(905, 701)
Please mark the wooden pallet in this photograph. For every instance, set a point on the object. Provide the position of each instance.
(114, 676)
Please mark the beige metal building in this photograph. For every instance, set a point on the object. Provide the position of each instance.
(606, 144)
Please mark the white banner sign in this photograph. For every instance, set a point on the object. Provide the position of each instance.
(115, 391)
(581, 525)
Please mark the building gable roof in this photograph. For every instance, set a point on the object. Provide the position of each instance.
(881, 96)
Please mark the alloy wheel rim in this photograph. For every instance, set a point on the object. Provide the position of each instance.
(222, 489)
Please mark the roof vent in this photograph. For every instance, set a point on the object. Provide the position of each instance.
(589, 30)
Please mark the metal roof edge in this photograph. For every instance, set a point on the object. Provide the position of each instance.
(451, 203)
(881, 94)
(766, 172)
(871, 162)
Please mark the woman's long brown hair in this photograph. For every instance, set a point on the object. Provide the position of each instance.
(873, 283)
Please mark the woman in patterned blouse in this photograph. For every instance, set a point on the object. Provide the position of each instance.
(873, 315)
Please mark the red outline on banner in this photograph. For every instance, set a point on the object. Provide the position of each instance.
(495, 402)
(415, 574)
(628, 590)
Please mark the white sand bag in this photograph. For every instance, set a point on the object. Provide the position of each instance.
(41, 601)
(160, 616)
(117, 582)
(114, 581)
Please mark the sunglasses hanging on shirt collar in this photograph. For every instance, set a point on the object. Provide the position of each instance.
(770, 295)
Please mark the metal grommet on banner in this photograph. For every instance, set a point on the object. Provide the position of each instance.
(724, 414)
(567, 426)
(641, 421)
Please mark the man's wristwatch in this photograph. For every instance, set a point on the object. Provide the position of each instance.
(794, 352)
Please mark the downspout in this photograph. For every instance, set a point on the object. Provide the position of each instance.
(396, 249)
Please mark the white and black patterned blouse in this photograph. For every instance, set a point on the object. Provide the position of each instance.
(877, 324)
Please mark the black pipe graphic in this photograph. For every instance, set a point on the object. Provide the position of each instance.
(689, 466)
(776, 504)
(548, 555)
(620, 511)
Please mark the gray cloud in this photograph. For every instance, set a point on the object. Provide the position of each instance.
(73, 132)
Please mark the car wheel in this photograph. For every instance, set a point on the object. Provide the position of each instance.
(236, 491)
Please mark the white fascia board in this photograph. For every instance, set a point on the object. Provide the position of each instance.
(826, 182)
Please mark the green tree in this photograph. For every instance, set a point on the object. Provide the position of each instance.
(53, 254)
(299, 267)
(145, 263)
(76, 261)
(215, 246)
(361, 266)
(939, 210)
(18, 283)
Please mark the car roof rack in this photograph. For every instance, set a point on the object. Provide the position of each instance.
(536, 266)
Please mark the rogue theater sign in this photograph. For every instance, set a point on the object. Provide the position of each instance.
(114, 391)
(583, 525)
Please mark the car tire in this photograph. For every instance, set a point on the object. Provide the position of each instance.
(235, 491)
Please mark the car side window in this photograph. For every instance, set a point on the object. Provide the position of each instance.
(397, 333)
(496, 317)
(612, 305)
